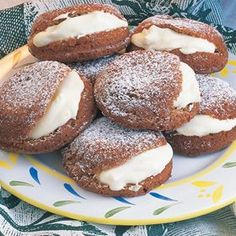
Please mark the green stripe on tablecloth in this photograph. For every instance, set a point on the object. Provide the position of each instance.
(12, 29)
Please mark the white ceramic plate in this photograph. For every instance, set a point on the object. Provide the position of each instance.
(197, 186)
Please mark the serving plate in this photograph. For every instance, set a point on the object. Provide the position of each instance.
(198, 185)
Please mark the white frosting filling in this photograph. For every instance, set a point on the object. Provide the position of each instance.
(79, 26)
(64, 107)
(167, 39)
(138, 168)
(190, 89)
(63, 16)
(202, 125)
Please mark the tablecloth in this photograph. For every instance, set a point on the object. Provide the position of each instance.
(18, 218)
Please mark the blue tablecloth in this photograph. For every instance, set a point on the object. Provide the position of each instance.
(17, 217)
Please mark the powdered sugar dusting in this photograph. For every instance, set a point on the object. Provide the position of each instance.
(147, 80)
(22, 89)
(25, 96)
(103, 139)
(183, 24)
(90, 69)
(218, 98)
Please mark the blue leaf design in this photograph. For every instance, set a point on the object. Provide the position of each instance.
(123, 200)
(162, 197)
(70, 189)
(34, 174)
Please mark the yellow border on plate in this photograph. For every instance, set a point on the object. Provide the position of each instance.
(12, 59)
(112, 221)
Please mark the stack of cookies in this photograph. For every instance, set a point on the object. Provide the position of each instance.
(148, 86)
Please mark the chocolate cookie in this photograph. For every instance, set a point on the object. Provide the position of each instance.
(199, 45)
(214, 127)
(79, 33)
(44, 106)
(114, 161)
(148, 90)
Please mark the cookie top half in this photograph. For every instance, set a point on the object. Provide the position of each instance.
(218, 98)
(104, 145)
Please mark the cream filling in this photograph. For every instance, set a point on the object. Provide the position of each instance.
(63, 16)
(63, 108)
(137, 169)
(167, 39)
(79, 26)
(202, 125)
(190, 89)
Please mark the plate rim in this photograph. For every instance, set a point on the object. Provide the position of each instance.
(20, 54)
(112, 221)
(217, 163)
